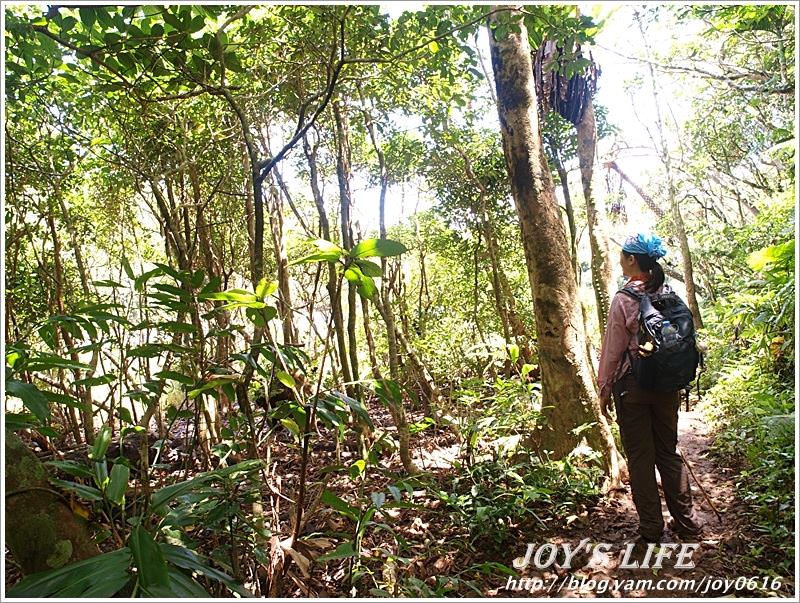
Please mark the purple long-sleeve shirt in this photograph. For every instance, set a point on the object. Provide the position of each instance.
(621, 334)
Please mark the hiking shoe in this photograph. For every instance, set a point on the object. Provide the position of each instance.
(683, 532)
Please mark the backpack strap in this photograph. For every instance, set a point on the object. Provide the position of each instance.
(631, 293)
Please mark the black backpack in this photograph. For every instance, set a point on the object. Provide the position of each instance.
(673, 363)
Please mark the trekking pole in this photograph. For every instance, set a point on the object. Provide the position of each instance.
(699, 485)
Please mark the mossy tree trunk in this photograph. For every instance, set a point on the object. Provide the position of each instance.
(42, 531)
(569, 398)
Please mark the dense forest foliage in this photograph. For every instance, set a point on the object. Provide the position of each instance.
(276, 325)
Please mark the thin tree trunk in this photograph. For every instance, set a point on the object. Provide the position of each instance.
(491, 247)
(282, 263)
(573, 232)
(598, 239)
(84, 393)
(373, 356)
(649, 201)
(382, 303)
(334, 292)
(675, 211)
(569, 398)
(343, 174)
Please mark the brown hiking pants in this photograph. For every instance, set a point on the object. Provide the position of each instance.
(648, 424)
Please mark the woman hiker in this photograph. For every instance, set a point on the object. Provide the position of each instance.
(648, 420)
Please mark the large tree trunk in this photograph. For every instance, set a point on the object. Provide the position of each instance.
(46, 534)
(598, 239)
(568, 395)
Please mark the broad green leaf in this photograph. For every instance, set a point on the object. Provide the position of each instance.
(330, 499)
(328, 252)
(101, 474)
(343, 551)
(370, 248)
(101, 442)
(86, 492)
(45, 362)
(291, 425)
(183, 586)
(33, 399)
(101, 576)
(148, 558)
(513, 352)
(357, 468)
(71, 467)
(184, 295)
(265, 288)
(16, 421)
(285, 378)
(118, 483)
(370, 268)
(366, 288)
(761, 258)
(189, 560)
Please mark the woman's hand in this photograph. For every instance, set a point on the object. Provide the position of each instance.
(606, 404)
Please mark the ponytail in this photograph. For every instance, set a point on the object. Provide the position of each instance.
(653, 268)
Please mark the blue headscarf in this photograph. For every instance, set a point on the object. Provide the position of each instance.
(647, 244)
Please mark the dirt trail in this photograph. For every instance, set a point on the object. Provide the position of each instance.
(719, 555)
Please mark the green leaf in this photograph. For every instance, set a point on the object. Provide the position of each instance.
(330, 499)
(33, 399)
(285, 378)
(16, 421)
(175, 376)
(370, 248)
(85, 492)
(126, 266)
(366, 288)
(149, 559)
(357, 469)
(71, 467)
(291, 425)
(343, 551)
(370, 268)
(189, 560)
(101, 576)
(353, 274)
(183, 586)
(235, 295)
(433, 46)
(761, 258)
(328, 252)
(87, 17)
(118, 483)
(101, 442)
(180, 293)
(44, 362)
(92, 381)
(265, 288)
